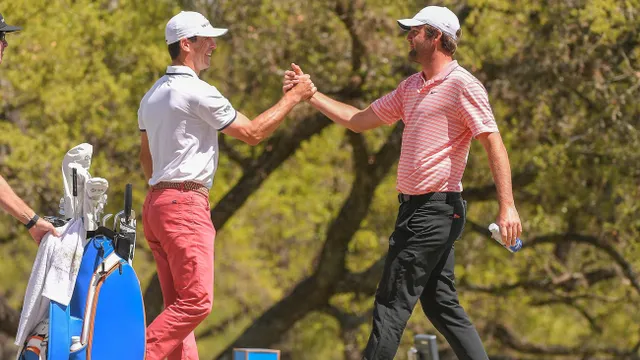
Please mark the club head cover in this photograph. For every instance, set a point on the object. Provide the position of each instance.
(95, 199)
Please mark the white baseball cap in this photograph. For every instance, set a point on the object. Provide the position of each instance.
(188, 24)
(439, 17)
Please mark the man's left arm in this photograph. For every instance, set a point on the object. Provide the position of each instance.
(476, 113)
(508, 218)
(15, 206)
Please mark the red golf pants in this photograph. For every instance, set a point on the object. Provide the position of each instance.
(178, 228)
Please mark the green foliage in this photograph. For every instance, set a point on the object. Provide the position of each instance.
(563, 79)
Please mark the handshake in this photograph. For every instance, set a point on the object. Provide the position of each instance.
(298, 84)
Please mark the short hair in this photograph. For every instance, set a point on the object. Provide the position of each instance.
(449, 44)
(174, 48)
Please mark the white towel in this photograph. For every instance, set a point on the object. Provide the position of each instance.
(61, 278)
(53, 275)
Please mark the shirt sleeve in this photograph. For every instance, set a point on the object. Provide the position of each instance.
(215, 109)
(389, 108)
(475, 110)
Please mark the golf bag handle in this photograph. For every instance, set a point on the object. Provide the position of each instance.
(128, 198)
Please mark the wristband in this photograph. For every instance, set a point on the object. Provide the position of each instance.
(32, 222)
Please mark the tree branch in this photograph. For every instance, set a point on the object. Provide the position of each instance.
(359, 146)
(346, 13)
(565, 281)
(349, 324)
(233, 154)
(508, 337)
(277, 150)
(571, 302)
(596, 242)
(314, 292)
(362, 283)
(222, 325)
(521, 179)
(348, 321)
(627, 269)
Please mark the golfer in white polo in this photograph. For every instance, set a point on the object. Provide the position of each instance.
(179, 119)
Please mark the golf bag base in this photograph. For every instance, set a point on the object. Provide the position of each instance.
(105, 319)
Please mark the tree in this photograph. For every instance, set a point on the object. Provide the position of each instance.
(303, 220)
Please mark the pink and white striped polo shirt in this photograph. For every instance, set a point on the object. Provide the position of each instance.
(441, 116)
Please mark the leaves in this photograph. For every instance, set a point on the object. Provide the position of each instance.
(563, 80)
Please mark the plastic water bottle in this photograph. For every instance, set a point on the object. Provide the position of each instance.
(76, 344)
(495, 234)
(412, 354)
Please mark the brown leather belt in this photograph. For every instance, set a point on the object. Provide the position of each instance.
(183, 186)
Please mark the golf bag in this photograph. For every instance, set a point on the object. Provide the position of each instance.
(105, 318)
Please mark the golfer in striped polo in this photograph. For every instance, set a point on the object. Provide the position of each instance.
(443, 108)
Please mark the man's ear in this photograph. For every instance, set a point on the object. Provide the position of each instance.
(185, 45)
(438, 39)
(438, 36)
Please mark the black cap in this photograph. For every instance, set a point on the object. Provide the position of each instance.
(4, 27)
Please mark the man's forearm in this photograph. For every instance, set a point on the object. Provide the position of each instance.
(338, 112)
(500, 168)
(11, 203)
(266, 123)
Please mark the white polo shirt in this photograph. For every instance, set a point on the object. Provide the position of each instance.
(182, 116)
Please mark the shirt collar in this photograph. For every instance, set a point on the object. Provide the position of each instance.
(442, 74)
(181, 69)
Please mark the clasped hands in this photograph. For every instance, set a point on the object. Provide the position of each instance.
(296, 80)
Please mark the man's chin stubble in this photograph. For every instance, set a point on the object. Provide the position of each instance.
(413, 55)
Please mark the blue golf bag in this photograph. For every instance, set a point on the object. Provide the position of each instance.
(105, 319)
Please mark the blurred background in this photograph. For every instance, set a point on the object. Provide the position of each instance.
(303, 219)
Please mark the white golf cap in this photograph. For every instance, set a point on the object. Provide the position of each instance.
(439, 17)
(188, 24)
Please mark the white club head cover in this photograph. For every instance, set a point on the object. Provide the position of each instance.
(81, 155)
(73, 205)
(95, 198)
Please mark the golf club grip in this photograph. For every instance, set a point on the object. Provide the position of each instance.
(128, 198)
(74, 176)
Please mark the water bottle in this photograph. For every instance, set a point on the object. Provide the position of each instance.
(412, 354)
(495, 234)
(76, 344)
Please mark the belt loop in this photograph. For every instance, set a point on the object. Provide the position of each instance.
(402, 198)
